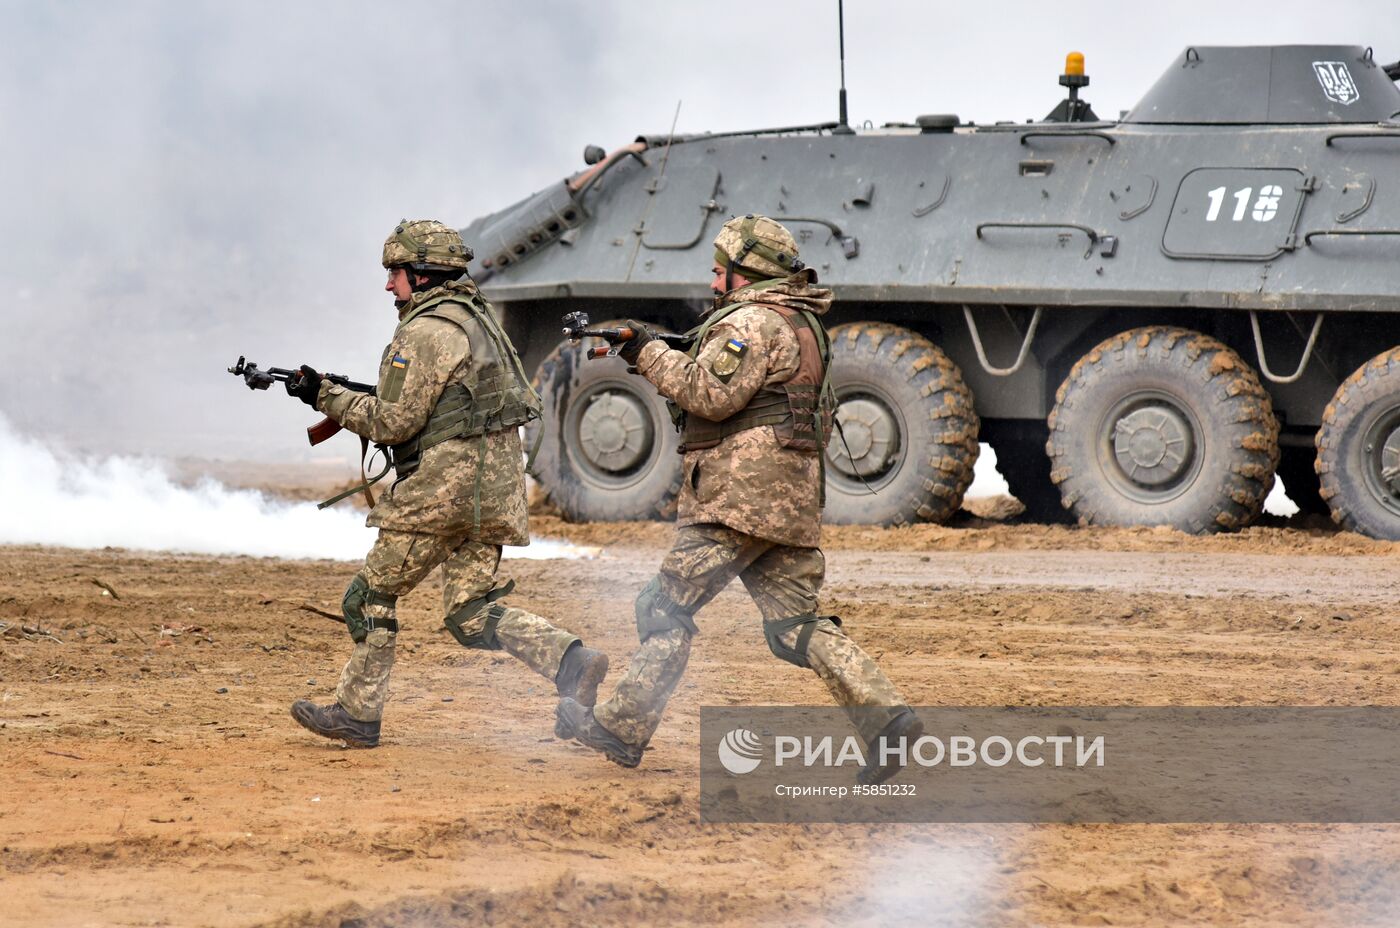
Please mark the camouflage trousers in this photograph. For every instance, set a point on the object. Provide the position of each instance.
(397, 563)
(784, 582)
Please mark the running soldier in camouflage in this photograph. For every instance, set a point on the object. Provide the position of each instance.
(450, 398)
(754, 407)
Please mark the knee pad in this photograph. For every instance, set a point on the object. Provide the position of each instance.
(358, 595)
(483, 639)
(657, 612)
(807, 625)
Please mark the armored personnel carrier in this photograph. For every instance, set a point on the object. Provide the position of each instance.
(1147, 319)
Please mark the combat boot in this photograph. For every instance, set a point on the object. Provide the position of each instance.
(906, 725)
(574, 720)
(334, 722)
(580, 674)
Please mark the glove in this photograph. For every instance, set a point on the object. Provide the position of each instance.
(306, 387)
(632, 348)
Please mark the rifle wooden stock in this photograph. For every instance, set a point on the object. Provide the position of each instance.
(322, 430)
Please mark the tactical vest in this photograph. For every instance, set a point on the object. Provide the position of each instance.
(493, 395)
(799, 409)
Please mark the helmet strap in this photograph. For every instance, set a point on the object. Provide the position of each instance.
(751, 243)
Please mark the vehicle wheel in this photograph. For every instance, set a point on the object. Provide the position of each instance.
(1026, 470)
(1358, 449)
(909, 423)
(609, 448)
(1163, 426)
(1297, 468)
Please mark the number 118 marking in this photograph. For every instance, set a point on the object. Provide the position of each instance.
(1265, 208)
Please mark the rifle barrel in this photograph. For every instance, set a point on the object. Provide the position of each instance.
(262, 378)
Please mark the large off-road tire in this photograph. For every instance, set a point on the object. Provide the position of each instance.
(609, 448)
(1163, 426)
(1026, 469)
(1358, 449)
(908, 418)
(1297, 468)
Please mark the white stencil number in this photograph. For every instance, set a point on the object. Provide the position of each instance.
(1265, 207)
(1241, 203)
(1217, 196)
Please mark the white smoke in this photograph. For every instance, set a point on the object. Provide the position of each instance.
(987, 481)
(50, 497)
(935, 875)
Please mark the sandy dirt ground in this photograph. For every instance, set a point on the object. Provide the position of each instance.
(150, 774)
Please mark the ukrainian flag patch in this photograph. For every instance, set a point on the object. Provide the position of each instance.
(727, 363)
(392, 387)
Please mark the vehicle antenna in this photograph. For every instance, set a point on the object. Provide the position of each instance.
(652, 189)
(671, 137)
(843, 127)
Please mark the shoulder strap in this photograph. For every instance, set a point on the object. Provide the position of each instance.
(480, 310)
(697, 334)
(429, 304)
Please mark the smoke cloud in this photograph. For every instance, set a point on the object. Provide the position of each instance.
(987, 481)
(53, 498)
(948, 876)
(188, 181)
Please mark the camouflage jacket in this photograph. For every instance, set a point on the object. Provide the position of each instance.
(426, 354)
(749, 481)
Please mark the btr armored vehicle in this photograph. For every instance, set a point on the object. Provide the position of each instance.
(1147, 319)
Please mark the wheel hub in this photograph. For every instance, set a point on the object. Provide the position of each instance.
(1390, 462)
(1153, 445)
(871, 432)
(615, 432)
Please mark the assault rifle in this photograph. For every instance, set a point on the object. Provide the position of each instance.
(258, 379)
(576, 327)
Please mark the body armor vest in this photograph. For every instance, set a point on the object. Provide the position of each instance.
(492, 396)
(799, 409)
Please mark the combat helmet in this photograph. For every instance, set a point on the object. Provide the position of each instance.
(757, 247)
(426, 245)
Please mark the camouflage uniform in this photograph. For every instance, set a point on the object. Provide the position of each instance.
(749, 507)
(396, 564)
(463, 499)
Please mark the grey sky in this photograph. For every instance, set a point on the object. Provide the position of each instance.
(185, 181)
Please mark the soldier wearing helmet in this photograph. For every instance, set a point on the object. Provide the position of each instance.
(450, 399)
(754, 406)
